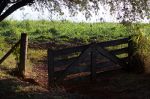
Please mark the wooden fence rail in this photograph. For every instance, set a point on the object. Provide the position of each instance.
(70, 60)
(9, 52)
(23, 42)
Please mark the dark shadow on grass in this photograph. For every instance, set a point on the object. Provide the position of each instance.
(112, 85)
(4, 68)
(9, 89)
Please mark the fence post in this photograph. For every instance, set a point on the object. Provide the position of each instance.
(93, 62)
(130, 53)
(50, 67)
(23, 54)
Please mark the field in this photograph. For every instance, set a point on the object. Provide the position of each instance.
(62, 31)
(57, 35)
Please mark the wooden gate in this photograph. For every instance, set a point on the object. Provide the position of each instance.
(90, 58)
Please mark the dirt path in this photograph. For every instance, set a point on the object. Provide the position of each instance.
(108, 85)
(40, 74)
(13, 88)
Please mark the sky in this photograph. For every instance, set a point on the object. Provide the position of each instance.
(29, 14)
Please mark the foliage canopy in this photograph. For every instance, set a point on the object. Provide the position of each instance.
(128, 10)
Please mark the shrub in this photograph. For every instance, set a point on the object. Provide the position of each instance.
(140, 48)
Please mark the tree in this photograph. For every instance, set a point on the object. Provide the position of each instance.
(9, 6)
(125, 9)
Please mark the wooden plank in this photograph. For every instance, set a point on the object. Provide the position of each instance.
(86, 73)
(81, 48)
(23, 54)
(50, 67)
(108, 68)
(9, 52)
(119, 51)
(69, 61)
(73, 61)
(130, 52)
(93, 63)
(61, 63)
(64, 61)
(81, 57)
(125, 59)
(68, 51)
(79, 69)
(113, 42)
(87, 64)
(60, 68)
(73, 70)
(105, 64)
(113, 58)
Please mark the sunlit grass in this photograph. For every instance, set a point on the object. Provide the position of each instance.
(61, 31)
(36, 54)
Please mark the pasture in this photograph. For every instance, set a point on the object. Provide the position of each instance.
(44, 35)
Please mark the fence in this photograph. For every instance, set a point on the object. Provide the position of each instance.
(23, 42)
(88, 58)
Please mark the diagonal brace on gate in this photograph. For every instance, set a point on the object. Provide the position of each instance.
(80, 57)
(113, 58)
(92, 51)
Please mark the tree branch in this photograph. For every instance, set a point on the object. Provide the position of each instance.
(14, 8)
(3, 5)
(1, 1)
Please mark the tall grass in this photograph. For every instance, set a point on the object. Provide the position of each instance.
(68, 32)
(140, 48)
(141, 40)
(61, 31)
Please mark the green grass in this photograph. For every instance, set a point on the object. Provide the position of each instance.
(61, 31)
(65, 31)
(57, 32)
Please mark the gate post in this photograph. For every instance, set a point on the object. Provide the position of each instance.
(129, 52)
(23, 54)
(93, 61)
(50, 54)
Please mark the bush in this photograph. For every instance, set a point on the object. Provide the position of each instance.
(140, 49)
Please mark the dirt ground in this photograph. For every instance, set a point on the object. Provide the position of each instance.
(117, 84)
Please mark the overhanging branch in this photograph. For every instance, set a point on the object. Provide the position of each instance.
(3, 5)
(14, 7)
